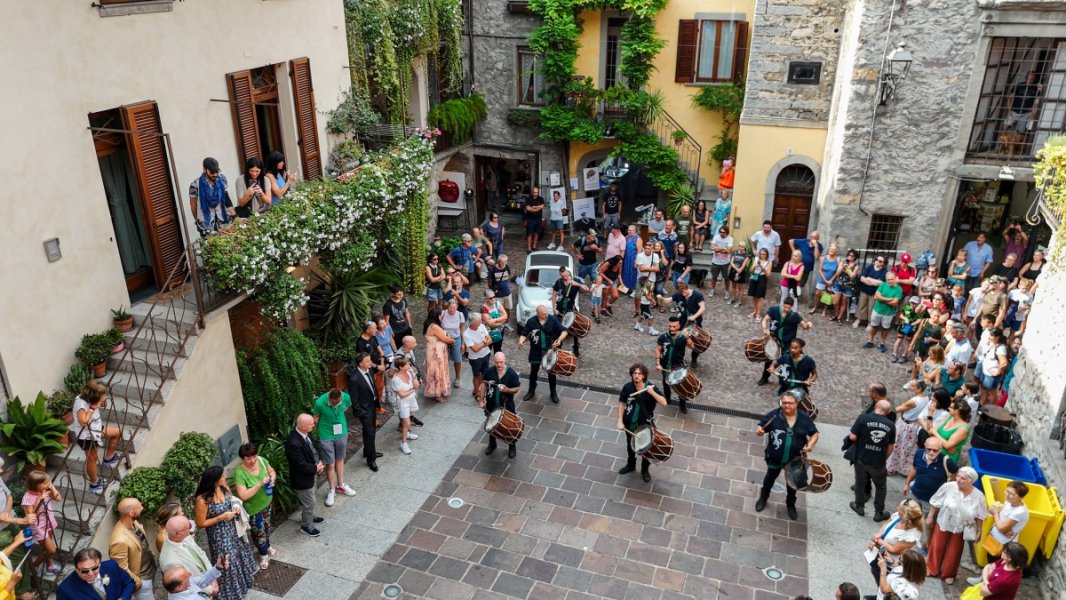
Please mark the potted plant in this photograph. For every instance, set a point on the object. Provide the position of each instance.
(93, 352)
(122, 320)
(116, 339)
(31, 434)
(60, 404)
(679, 137)
(77, 377)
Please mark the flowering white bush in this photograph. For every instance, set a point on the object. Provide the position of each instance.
(252, 255)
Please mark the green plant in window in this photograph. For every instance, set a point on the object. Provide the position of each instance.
(458, 117)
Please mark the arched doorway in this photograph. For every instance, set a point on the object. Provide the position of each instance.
(793, 196)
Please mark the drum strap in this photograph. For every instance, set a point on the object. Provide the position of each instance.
(565, 302)
(788, 445)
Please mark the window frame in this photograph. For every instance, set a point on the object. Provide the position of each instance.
(881, 230)
(520, 81)
(795, 65)
(716, 55)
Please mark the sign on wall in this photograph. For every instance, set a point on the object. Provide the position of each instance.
(450, 183)
(591, 177)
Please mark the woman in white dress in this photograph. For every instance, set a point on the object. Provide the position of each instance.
(404, 387)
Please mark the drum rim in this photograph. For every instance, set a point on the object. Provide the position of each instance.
(682, 374)
(550, 357)
(488, 418)
(568, 319)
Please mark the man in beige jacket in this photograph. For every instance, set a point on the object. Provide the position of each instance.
(130, 548)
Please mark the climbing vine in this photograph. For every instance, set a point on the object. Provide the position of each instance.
(728, 101)
(1050, 175)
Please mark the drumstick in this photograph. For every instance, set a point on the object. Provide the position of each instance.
(650, 386)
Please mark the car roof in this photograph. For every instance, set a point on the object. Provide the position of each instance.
(549, 258)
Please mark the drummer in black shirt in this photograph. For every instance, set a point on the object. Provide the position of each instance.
(544, 332)
(502, 383)
(691, 306)
(791, 432)
(564, 298)
(636, 406)
(670, 355)
(794, 369)
(781, 323)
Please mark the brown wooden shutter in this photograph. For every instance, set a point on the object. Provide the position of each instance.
(740, 52)
(149, 157)
(687, 44)
(303, 95)
(244, 123)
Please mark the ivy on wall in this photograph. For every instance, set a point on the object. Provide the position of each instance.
(279, 381)
(728, 101)
(1050, 175)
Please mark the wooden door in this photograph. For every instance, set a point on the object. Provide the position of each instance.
(149, 157)
(245, 124)
(793, 197)
(303, 95)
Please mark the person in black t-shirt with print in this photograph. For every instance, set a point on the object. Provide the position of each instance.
(397, 315)
(794, 369)
(564, 299)
(502, 383)
(636, 406)
(789, 433)
(874, 436)
(781, 323)
(543, 332)
(670, 354)
(691, 306)
(534, 216)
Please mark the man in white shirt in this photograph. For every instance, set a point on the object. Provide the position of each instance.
(721, 246)
(478, 347)
(959, 348)
(557, 219)
(647, 264)
(656, 224)
(180, 583)
(769, 239)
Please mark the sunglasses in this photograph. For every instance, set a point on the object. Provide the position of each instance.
(92, 569)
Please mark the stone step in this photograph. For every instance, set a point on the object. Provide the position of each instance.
(142, 361)
(135, 385)
(178, 316)
(154, 339)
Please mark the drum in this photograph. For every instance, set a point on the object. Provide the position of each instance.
(821, 476)
(808, 474)
(684, 382)
(651, 443)
(504, 425)
(701, 338)
(762, 349)
(577, 324)
(560, 362)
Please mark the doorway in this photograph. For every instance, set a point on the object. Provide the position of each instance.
(793, 197)
(267, 118)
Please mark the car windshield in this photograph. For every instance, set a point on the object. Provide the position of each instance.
(542, 277)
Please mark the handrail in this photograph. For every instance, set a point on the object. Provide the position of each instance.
(134, 386)
(690, 152)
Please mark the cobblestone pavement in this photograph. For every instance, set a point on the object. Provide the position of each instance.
(844, 367)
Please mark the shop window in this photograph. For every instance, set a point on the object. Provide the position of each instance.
(1022, 101)
(805, 73)
(530, 80)
(711, 51)
(884, 232)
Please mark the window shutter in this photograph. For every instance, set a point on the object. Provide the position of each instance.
(740, 52)
(244, 123)
(687, 46)
(303, 94)
(149, 157)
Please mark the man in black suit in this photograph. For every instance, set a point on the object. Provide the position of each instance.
(364, 398)
(304, 466)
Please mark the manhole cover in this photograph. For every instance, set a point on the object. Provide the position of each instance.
(392, 591)
(278, 579)
(778, 488)
(456, 502)
(773, 573)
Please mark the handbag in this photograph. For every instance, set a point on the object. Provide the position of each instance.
(827, 298)
(991, 545)
(971, 593)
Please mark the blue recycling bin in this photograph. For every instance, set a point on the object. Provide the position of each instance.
(1006, 466)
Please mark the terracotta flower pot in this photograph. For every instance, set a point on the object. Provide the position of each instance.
(67, 418)
(124, 325)
(119, 348)
(100, 369)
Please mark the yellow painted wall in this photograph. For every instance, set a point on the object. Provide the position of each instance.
(760, 148)
(700, 124)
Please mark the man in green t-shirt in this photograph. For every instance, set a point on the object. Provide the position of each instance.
(886, 300)
(332, 425)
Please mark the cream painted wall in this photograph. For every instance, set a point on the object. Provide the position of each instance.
(207, 398)
(65, 61)
(700, 124)
(760, 148)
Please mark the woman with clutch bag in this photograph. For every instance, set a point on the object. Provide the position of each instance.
(958, 508)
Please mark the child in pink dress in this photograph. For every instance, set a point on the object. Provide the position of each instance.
(37, 501)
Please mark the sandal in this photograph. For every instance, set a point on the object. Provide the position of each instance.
(949, 580)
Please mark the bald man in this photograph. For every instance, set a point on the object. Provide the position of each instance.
(501, 384)
(130, 549)
(874, 435)
(304, 467)
(181, 583)
(180, 549)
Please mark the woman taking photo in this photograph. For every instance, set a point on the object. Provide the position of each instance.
(757, 281)
(216, 514)
(438, 382)
(279, 179)
(904, 579)
(991, 365)
(955, 517)
(1000, 579)
(907, 427)
(252, 188)
(88, 428)
(254, 479)
(844, 288)
(900, 533)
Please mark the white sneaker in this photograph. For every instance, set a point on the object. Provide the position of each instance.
(345, 489)
(710, 294)
(551, 246)
(330, 497)
(728, 297)
(653, 331)
(411, 436)
(637, 327)
(405, 448)
(973, 580)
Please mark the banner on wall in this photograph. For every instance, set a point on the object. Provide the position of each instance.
(584, 207)
(591, 178)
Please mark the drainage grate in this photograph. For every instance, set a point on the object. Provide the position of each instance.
(729, 412)
(278, 579)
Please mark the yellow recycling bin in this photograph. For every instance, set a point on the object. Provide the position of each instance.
(1045, 517)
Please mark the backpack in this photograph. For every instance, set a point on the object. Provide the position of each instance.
(925, 260)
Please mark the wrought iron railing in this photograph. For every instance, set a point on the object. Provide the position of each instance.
(135, 387)
(689, 151)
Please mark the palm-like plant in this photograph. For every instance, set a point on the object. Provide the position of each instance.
(344, 300)
(31, 433)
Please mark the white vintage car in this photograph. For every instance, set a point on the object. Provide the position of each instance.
(535, 284)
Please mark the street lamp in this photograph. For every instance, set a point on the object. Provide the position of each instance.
(894, 69)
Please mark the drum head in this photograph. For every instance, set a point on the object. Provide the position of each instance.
(642, 438)
(772, 348)
(493, 419)
(676, 376)
(549, 358)
(821, 476)
(568, 320)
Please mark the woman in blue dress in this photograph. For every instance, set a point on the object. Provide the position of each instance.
(216, 515)
(723, 207)
(634, 246)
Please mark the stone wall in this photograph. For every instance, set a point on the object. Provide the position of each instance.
(785, 31)
(1036, 398)
(913, 148)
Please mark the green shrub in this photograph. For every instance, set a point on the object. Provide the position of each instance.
(146, 484)
(94, 348)
(457, 117)
(279, 381)
(77, 377)
(31, 434)
(185, 462)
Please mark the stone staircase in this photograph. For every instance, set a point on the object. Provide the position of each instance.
(140, 379)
